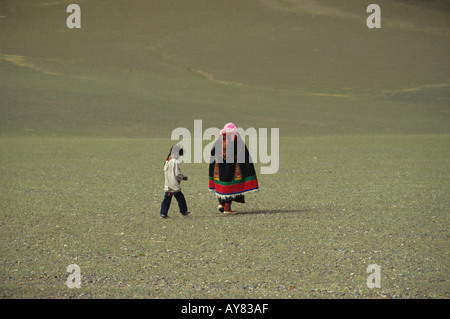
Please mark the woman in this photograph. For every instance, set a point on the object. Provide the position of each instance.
(231, 169)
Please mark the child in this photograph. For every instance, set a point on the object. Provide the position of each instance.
(172, 187)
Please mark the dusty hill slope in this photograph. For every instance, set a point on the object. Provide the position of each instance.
(143, 68)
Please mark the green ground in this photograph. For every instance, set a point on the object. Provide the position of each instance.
(85, 121)
(354, 201)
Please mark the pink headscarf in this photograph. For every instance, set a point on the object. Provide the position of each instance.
(228, 128)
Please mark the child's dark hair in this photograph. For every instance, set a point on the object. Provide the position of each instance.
(175, 149)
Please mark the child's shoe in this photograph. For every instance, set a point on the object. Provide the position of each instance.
(186, 214)
(163, 216)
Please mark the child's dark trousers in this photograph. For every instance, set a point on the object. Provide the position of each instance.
(168, 198)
